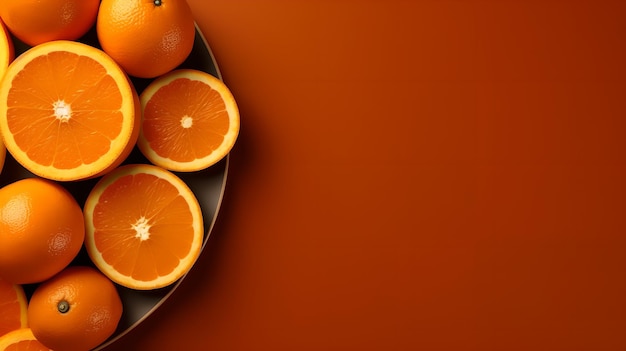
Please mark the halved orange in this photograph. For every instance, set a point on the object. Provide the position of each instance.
(144, 227)
(68, 111)
(21, 340)
(13, 307)
(190, 121)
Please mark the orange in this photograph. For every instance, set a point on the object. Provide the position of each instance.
(144, 226)
(12, 307)
(41, 230)
(38, 21)
(7, 53)
(77, 310)
(146, 37)
(68, 111)
(191, 121)
(7, 50)
(21, 340)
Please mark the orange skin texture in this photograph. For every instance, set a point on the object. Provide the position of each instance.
(94, 309)
(38, 21)
(145, 39)
(41, 230)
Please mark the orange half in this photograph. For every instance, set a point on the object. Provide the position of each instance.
(144, 226)
(67, 111)
(190, 121)
(13, 307)
(21, 340)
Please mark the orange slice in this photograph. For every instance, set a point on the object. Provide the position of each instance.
(144, 227)
(21, 340)
(67, 111)
(13, 306)
(191, 121)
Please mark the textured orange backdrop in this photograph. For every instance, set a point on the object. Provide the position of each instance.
(414, 175)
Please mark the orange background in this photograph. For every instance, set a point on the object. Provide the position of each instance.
(414, 175)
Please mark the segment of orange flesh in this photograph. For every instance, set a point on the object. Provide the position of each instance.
(67, 111)
(13, 305)
(190, 121)
(21, 340)
(144, 227)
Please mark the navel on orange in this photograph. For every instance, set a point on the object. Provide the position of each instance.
(76, 310)
(21, 340)
(190, 121)
(144, 227)
(146, 37)
(41, 230)
(13, 305)
(68, 111)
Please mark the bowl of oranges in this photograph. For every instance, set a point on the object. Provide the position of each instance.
(116, 129)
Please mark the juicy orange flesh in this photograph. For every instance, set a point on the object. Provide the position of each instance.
(155, 203)
(27, 345)
(169, 110)
(65, 79)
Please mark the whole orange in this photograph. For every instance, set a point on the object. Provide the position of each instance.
(76, 310)
(41, 230)
(147, 38)
(38, 21)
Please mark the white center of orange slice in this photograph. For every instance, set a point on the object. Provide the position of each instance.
(142, 227)
(62, 111)
(186, 122)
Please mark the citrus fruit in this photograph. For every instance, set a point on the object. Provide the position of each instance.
(190, 121)
(6, 56)
(76, 310)
(68, 111)
(21, 340)
(7, 50)
(12, 307)
(146, 37)
(41, 230)
(144, 226)
(37, 21)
